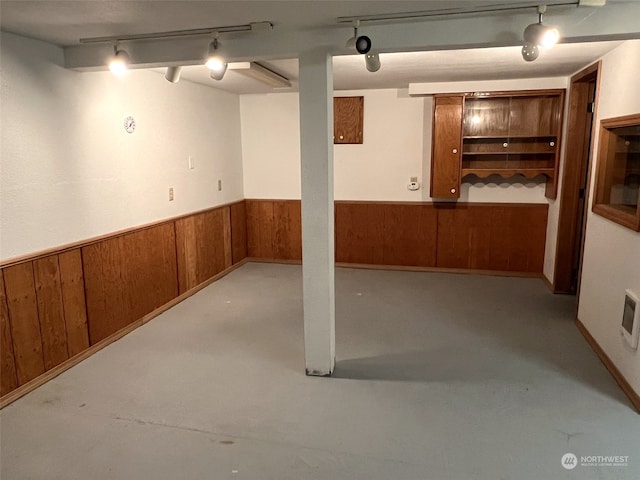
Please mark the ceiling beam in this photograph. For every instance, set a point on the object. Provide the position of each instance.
(615, 21)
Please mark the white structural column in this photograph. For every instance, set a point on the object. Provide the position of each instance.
(316, 149)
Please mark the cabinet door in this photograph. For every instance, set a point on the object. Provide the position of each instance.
(446, 147)
(348, 121)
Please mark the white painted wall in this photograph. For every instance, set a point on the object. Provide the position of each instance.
(397, 146)
(612, 252)
(70, 171)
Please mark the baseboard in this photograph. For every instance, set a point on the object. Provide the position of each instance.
(71, 362)
(462, 271)
(548, 283)
(404, 268)
(628, 390)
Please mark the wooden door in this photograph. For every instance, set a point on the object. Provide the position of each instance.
(348, 113)
(446, 147)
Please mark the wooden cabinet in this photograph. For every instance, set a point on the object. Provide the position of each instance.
(348, 122)
(446, 146)
(503, 134)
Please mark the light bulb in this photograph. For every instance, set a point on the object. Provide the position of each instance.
(550, 37)
(119, 64)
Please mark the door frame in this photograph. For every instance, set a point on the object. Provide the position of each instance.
(575, 147)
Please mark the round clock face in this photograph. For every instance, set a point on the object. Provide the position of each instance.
(129, 124)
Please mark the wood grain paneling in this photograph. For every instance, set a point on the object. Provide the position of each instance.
(446, 146)
(507, 237)
(348, 119)
(386, 234)
(75, 310)
(274, 229)
(200, 246)
(238, 232)
(127, 277)
(499, 237)
(23, 314)
(50, 311)
(7, 366)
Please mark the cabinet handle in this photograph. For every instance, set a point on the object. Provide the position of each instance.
(453, 190)
(455, 150)
(341, 137)
(552, 144)
(505, 144)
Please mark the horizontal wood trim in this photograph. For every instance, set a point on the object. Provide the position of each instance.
(626, 387)
(66, 365)
(83, 243)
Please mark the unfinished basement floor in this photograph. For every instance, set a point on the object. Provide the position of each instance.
(438, 376)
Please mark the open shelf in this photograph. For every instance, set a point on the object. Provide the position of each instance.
(508, 172)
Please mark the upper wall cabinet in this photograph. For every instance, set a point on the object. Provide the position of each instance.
(348, 113)
(506, 134)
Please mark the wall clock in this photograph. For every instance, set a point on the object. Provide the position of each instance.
(130, 124)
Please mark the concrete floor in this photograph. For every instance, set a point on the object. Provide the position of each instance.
(439, 376)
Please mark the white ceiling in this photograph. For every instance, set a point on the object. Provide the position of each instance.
(400, 69)
(65, 22)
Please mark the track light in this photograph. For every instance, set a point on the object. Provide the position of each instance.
(119, 63)
(216, 62)
(173, 74)
(538, 35)
(361, 44)
(372, 61)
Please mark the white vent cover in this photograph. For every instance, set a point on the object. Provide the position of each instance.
(631, 319)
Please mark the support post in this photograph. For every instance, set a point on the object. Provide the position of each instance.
(318, 262)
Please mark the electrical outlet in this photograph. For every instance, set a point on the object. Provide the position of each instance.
(219, 185)
(414, 179)
(171, 194)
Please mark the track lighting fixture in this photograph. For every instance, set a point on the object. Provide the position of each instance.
(538, 35)
(216, 62)
(361, 44)
(119, 63)
(372, 61)
(173, 74)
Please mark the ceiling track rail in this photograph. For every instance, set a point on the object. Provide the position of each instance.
(249, 27)
(426, 14)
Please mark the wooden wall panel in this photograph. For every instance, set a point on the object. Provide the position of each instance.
(23, 314)
(409, 235)
(501, 237)
(359, 233)
(238, 231)
(386, 234)
(7, 366)
(102, 265)
(201, 246)
(127, 277)
(50, 311)
(274, 229)
(75, 309)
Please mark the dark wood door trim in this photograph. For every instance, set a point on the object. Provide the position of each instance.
(579, 144)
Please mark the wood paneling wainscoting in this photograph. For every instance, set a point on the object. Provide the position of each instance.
(469, 236)
(59, 306)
